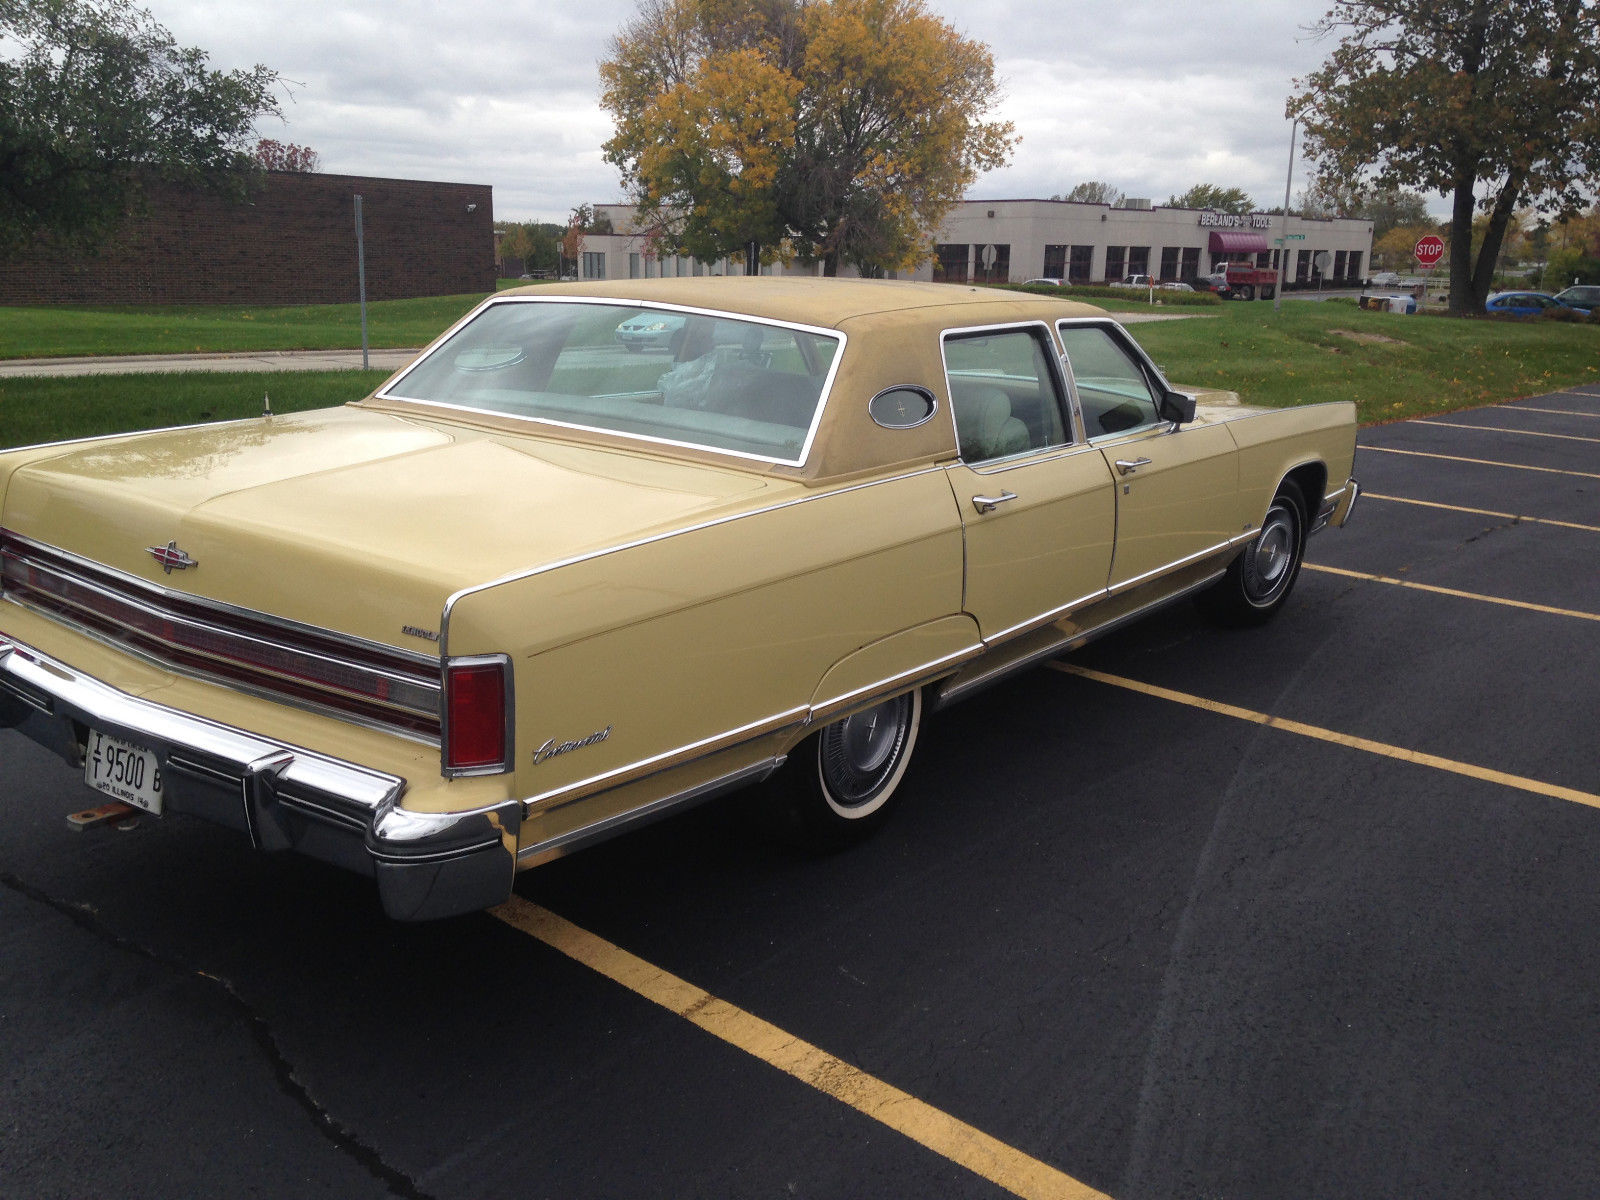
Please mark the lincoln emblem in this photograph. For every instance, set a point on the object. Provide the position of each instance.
(171, 558)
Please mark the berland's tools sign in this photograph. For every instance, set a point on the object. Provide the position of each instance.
(1429, 251)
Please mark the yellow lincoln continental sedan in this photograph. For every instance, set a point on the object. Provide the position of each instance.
(540, 587)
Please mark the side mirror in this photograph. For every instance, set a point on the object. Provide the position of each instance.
(1177, 408)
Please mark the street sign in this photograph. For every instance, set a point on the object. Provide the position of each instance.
(1429, 251)
(1295, 237)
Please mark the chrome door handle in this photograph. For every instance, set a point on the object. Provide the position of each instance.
(1128, 466)
(989, 503)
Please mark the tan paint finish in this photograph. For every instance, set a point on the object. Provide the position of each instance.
(707, 611)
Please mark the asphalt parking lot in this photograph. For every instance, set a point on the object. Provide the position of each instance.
(1309, 910)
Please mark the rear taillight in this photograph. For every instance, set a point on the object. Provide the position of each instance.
(477, 715)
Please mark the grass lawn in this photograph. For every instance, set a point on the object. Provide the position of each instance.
(60, 331)
(55, 409)
(1392, 366)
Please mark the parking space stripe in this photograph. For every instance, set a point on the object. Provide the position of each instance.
(1584, 395)
(1444, 591)
(1471, 770)
(1556, 412)
(1565, 437)
(1481, 462)
(952, 1139)
(1482, 512)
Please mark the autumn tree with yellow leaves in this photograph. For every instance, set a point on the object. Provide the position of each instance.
(834, 130)
(1489, 101)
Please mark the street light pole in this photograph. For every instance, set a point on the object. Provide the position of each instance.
(1283, 249)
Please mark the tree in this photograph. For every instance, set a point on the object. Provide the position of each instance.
(97, 103)
(1209, 195)
(1456, 96)
(839, 130)
(272, 155)
(1093, 192)
(1386, 208)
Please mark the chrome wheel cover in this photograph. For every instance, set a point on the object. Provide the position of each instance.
(860, 758)
(1270, 560)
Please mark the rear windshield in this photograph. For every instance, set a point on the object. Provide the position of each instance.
(686, 378)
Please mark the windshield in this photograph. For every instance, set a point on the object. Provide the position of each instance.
(686, 378)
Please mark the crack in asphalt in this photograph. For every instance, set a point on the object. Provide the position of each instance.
(342, 1138)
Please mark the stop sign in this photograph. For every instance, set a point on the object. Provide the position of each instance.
(1430, 250)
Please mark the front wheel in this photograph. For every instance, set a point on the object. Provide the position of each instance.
(838, 786)
(1260, 579)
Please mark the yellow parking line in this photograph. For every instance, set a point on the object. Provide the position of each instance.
(1471, 770)
(1559, 412)
(946, 1136)
(1565, 437)
(1482, 512)
(1482, 462)
(1444, 591)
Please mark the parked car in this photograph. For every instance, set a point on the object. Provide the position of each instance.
(649, 331)
(1520, 304)
(1175, 287)
(1384, 279)
(1044, 281)
(1213, 283)
(524, 595)
(1134, 281)
(1580, 295)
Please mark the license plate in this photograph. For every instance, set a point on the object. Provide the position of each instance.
(122, 770)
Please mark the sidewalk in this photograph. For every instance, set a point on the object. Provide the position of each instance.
(260, 360)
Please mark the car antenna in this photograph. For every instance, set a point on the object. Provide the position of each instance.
(266, 406)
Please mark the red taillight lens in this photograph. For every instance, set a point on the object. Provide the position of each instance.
(477, 726)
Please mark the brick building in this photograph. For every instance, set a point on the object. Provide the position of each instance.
(292, 242)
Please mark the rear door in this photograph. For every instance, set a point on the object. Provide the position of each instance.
(1036, 503)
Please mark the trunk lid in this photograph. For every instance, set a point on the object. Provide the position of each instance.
(352, 520)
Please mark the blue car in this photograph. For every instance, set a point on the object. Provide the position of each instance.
(1520, 304)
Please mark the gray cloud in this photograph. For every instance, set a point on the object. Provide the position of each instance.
(1151, 97)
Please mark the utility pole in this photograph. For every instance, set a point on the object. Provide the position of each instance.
(1283, 249)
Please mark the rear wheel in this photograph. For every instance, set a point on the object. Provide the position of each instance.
(1248, 291)
(1261, 578)
(839, 785)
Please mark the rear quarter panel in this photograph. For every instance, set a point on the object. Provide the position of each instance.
(1273, 442)
(712, 637)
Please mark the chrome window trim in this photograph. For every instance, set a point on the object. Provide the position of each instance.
(824, 395)
(1052, 364)
(508, 716)
(1142, 360)
(651, 539)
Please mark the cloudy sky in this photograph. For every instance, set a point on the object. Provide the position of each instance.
(1151, 96)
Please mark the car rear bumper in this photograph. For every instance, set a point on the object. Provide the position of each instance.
(284, 797)
(1336, 508)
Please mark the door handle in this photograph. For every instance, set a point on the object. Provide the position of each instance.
(989, 503)
(1128, 466)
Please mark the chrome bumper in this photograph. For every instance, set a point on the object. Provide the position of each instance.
(1336, 509)
(283, 797)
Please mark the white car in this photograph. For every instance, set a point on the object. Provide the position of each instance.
(1384, 279)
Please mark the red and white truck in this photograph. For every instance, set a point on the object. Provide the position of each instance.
(1246, 281)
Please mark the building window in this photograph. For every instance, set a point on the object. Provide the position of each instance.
(1169, 262)
(1190, 271)
(1081, 264)
(1138, 260)
(594, 264)
(991, 263)
(1055, 262)
(950, 263)
(1302, 267)
(1338, 264)
(633, 266)
(1115, 256)
(1353, 265)
(1261, 259)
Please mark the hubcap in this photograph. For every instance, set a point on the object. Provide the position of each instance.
(1272, 556)
(858, 755)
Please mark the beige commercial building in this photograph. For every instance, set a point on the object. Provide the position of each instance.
(1012, 241)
